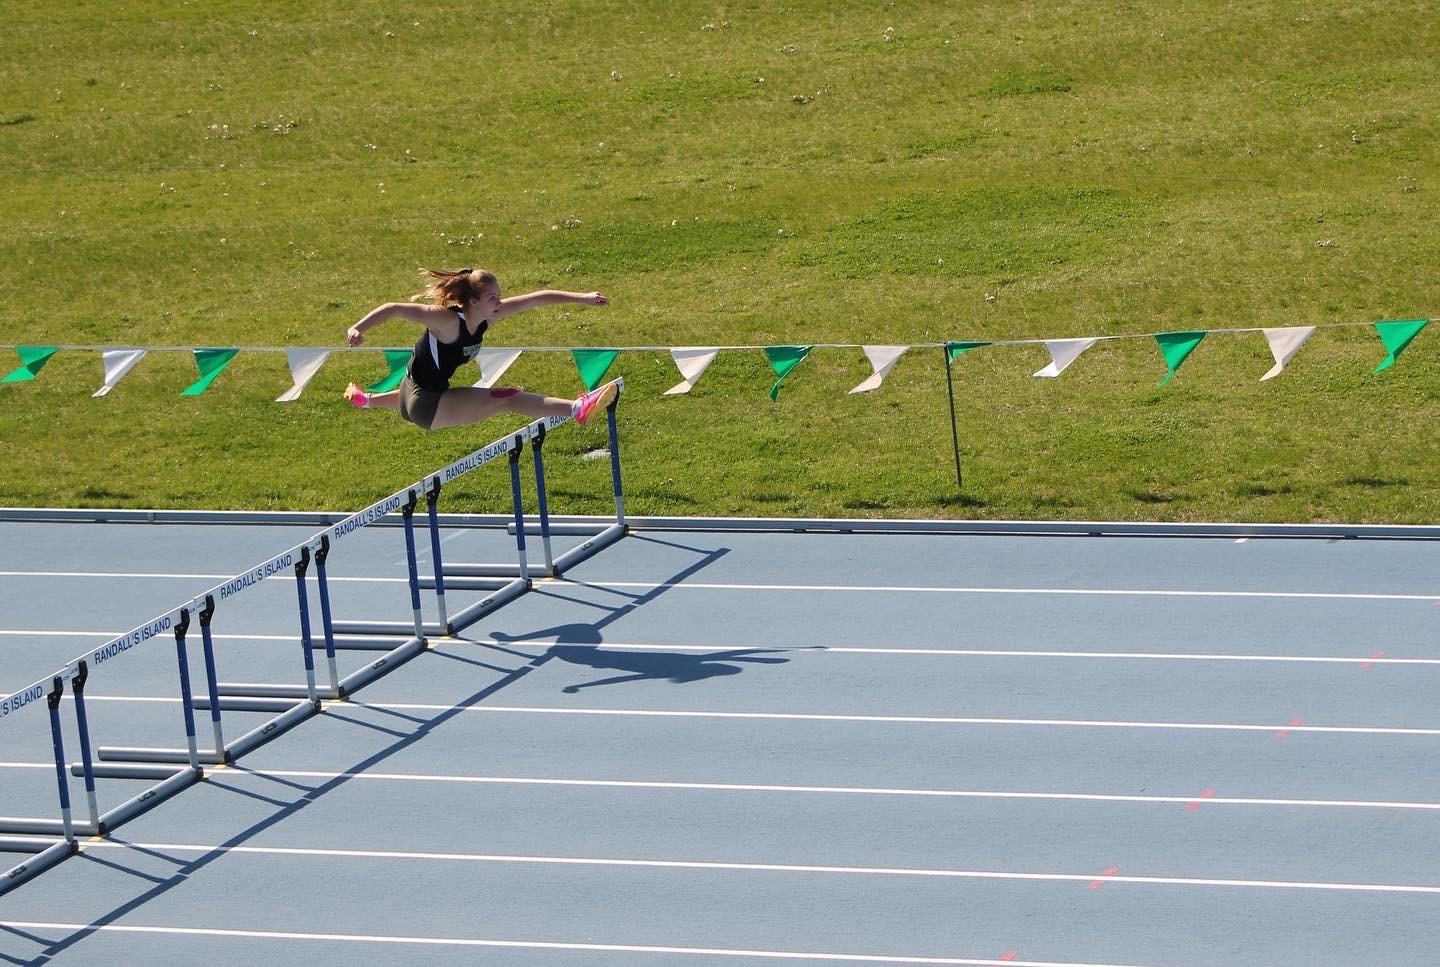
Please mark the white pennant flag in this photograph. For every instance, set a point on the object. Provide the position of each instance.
(882, 360)
(304, 364)
(1063, 352)
(493, 363)
(117, 363)
(1284, 343)
(691, 363)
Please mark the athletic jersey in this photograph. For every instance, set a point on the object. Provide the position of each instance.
(434, 362)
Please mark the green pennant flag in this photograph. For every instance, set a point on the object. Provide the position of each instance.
(1175, 346)
(956, 348)
(593, 364)
(211, 362)
(32, 358)
(1396, 336)
(782, 360)
(398, 360)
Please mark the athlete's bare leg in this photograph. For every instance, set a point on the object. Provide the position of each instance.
(471, 404)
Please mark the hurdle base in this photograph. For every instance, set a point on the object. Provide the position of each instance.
(386, 663)
(262, 690)
(122, 771)
(560, 529)
(149, 799)
(467, 583)
(480, 609)
(372, 642)
(239, 703)
(593, 546)
(275, 727)
(120, 753)
(491, 571)
(37, 864)
(27, 844)
(384, 628)
(25, 829)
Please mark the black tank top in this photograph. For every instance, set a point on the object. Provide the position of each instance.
(434, 362)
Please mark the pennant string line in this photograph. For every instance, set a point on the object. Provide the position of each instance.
(666, 349)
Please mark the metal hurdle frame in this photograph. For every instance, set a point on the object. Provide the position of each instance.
(173, 769)
(46, 849)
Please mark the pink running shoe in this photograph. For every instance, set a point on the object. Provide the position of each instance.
(356, 396)
(594, 402)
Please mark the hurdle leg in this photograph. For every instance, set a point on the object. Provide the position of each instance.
(186, 699)
(611, 424)
(409, 515)
(326, 624)
(519, 506)
(87, 761)
(542, 501)
(611, 532)
(211, 687)
(301, 566)
(432, 499)
(47, 853)
(53, 699)
(128, 756)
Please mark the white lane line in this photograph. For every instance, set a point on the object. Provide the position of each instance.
(925, 589)
(908, 719)
(232, 772)
(958, 652)
(812, 649)
(822, 790)
(880, 588)
(422, 549)
(29, 925)
(898, 871)
(830, 717)
(107, 635)
(167, 576)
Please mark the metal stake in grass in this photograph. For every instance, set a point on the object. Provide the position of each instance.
(954, 430)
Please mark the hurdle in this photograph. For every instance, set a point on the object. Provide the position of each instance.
(47, 841)
(168, 781)
(45, 850)
(401, 641)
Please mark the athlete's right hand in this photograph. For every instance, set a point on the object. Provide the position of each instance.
(354, 337)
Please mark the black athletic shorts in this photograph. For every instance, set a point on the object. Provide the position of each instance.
(418, 405)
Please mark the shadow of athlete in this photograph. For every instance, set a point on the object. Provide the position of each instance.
(579, 644)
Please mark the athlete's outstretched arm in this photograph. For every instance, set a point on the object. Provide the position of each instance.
(547, 297)
(439, 320)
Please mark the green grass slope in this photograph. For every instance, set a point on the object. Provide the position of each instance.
(748, 174)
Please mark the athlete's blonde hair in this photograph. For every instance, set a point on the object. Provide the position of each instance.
(446, 288)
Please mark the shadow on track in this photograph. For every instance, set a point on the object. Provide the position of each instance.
(304, 796)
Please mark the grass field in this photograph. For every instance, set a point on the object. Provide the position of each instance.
(253, 174)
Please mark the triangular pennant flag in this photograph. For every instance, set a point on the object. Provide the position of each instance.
(397, 360)
(1284, 344)
(691, 363)
(1396, 336)
(1175, 346)
(304, 364)
(118, 362)
(493, 363)
(782, 360)
(592, 364)
(32, 358)
(211, 363)
(1063, 352)
(882, 360)
(956, 348)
